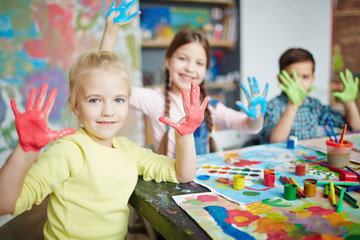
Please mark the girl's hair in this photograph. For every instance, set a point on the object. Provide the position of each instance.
(180, 39)
(90, 63)
(295, 55)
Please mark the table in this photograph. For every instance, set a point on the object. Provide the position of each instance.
(154, 202)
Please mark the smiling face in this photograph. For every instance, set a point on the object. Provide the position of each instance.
(186, 65)
(102, 104)
(304, 71)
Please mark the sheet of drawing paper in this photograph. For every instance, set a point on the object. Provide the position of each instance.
(276, 218)
(216, 170)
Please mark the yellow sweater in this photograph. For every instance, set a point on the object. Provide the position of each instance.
(90, 185)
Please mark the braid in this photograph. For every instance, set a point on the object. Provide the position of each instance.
(163, 146)
(208, 119)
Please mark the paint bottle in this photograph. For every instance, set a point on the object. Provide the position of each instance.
(290, 191)
(300, 169)
(269, 177)
(347, 176)
(310, 187)
(239, 182)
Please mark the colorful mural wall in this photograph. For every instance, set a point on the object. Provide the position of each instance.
(39, 40)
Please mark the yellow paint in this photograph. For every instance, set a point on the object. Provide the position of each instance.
(240, 219)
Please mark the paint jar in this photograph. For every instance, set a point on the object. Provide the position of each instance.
(239, 182)
(269, 177)
(310, 187)
(338, 154)
(290, 191)
(292, 142)
(348, 176)
(300, 169)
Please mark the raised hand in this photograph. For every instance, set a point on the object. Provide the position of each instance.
(254, 99)
(31, 125)
(194, 113)
(293, 89)
(351, 87)
(121, 12)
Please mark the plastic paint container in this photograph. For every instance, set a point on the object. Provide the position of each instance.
(338, 154)
(300, 169)
(290, 191)
(310, 187)
(239, 182)
(269, 177)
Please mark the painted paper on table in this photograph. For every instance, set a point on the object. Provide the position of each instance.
(277, 218)
(216, 170)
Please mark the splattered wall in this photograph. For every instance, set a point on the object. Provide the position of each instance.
(39, 40)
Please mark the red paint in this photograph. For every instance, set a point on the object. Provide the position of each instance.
(300, 169)
(222, 172)
(310, 157)
(223, 180)
(32, 126)
(193, 111)
(243, 163)
(269, 177)
(207, 198)
(279, 235)
(260, 190)
(36, 48)
(212, 171)
(317, 210)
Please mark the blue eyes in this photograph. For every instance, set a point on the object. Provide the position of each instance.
(96, 100)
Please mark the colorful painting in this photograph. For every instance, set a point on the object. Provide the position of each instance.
(39, 41)
(308, 219)
(216, 170)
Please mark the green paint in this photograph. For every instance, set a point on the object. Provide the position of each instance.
(275, 203)
(246, 193)
(246, 170)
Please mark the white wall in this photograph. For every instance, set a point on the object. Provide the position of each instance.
(269, 27)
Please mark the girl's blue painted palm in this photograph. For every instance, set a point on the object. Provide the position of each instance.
(351, 87)
(254, 98)
(123, 9)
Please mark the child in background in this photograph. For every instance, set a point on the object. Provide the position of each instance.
(90, 174)
(186, 60)
(294, 113)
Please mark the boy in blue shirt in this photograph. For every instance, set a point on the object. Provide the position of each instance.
(294, 113)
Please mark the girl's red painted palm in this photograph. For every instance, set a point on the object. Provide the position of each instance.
(193, 111)
(32, 126)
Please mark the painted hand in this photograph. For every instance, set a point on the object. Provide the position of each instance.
(254, 99)
(31, 125)
(351, 87)
(194, 113)
(121, 12)
(293, 89)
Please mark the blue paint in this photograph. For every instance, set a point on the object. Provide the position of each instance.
(123, 8)
(203, 177)
(6, 27)
(220, 214)
(254, 101)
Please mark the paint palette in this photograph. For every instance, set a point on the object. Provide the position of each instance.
(228, 172)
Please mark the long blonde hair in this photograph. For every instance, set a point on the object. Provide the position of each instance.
(93, 62)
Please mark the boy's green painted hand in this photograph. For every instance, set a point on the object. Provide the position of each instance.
(293, 89)
(351, 87)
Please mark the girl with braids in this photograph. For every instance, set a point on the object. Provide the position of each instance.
(187, 59)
